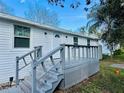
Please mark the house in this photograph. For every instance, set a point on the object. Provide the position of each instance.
(18, 36)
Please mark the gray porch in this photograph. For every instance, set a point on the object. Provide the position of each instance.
(74, 64)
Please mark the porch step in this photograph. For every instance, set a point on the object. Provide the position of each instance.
(46, 84)
(46, 81)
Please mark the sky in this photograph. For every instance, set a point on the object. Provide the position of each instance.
(71, 19)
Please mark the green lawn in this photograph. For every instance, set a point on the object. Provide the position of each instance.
(106, 81)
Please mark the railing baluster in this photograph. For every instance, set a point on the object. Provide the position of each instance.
(68, 52)
(74, 52)
(87, 52)
(95, 51)
(35, 55)
(24, 61)
(43, 66)
(51, 58)
(78, 52)
(92, 52)
(40, 51)
(31, 57)
(82, 52)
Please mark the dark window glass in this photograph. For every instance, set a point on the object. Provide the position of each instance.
(21, 36)
(21, 42)
(88, 42)
(75, 39)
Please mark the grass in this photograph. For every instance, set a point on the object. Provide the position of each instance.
(119, 57)
(106, 81)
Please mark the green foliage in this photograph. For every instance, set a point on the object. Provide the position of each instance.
(119, 57)
(118, 52)
(109, 15)
(105, 56)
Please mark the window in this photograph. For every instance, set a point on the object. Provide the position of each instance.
(21, 36)
(88, 42)
(75, 39)
(57, 36)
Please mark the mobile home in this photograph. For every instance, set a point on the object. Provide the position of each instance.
(18, 36)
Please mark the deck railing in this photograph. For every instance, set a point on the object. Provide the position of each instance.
(81, 51)
(34, 54)
(66, 52)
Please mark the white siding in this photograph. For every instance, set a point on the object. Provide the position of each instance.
(82, 41)
(94, 43)
(7, 52)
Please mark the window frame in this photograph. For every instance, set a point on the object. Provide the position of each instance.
(88, 42)
(23, 37)
(75, 43)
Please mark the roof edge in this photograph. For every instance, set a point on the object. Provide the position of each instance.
(57, 29)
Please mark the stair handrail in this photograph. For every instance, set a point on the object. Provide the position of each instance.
(37, 51)
(41, 60)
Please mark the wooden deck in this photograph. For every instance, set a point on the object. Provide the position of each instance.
(75, 64)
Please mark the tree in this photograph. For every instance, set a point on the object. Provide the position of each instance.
(4, 8)
(82, 29)
(110, 16)
(74, 4)
(42, 15)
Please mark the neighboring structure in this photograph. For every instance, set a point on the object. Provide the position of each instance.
(18, 36)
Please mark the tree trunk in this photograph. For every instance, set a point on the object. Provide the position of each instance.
(111, 55)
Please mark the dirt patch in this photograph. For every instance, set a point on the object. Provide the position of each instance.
(6, 85)
(59, 91)
(77, 88)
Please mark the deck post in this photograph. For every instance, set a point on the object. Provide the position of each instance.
(17, 71)
(62, 56)
(34, 72)
(40, 51)
(33, 78)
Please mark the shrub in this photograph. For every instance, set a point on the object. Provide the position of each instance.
(118, 52)
(105, 56)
